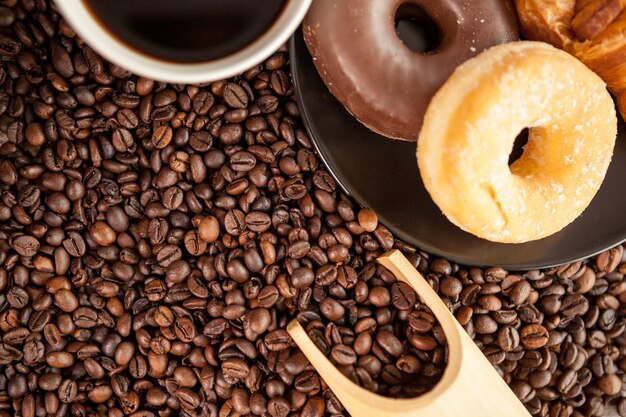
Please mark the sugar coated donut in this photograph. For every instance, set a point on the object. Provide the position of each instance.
(380, 80)
(472, 123)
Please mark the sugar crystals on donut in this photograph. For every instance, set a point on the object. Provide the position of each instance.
(473, 120)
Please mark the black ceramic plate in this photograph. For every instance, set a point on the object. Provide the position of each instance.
(382, 174)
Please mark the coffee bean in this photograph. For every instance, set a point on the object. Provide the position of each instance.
(168, 254)
(100, 394)
(202, 102)
(124, 353)
(390, 343)
(608, 260)
(61, 60)
(8, 173)
(464, 315)
(621, 407)
(332, 309)
(179, 161)
(235, 96)
(380, 296)
(566, 381)
(184, 329)
(409, 364)
(539, 379)
(236, 368)
(277, 340)
(343, 355)
(278, 407)
(490, 302)
(574, 305)
(85, 317)
(163, 316)
(234, 222)
(200, 141)
(29, 196)
(302, 277)
(298, 249)
(17, 386)
(256, 322)
(60, 359)
(484, 324)
(451, 287)
(161, 136)
(294, 189)
(236, 270)
(117, 219)
(8, 46)
(68, 390)
(7, 16)
(194, 244)
(102, 233)
(279, 81)
(258, 221)
(422, 342)
(508, 338)
(66, 300)
(26, 245)
(534, 336)
(402, 296)
(421, 321)
(242, 161)
(523, 391)
(187, 398)
(314, 407)
(368, 219)
(610, 384)
(17, 297)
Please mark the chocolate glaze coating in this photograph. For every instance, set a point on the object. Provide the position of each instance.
(382, 82)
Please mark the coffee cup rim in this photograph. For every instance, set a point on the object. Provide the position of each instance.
(87, 26)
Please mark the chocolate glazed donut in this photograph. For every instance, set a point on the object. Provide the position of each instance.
(370, 70)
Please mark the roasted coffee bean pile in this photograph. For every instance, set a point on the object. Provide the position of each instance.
(155, 240)
(556, 336)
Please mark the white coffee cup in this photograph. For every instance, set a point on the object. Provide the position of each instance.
(87, 26)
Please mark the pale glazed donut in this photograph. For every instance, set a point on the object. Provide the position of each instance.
(472, 123)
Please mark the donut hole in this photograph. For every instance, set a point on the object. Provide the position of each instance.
(416, 29)
(518, 146)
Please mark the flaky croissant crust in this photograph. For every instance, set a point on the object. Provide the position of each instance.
(567, 24)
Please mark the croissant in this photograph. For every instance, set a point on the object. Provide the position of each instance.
(592, 30)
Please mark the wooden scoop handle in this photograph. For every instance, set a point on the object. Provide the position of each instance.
(470, 386)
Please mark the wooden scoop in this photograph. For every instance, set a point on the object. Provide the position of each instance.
(470, 386)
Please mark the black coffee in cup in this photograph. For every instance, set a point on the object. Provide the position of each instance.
(187, 30)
